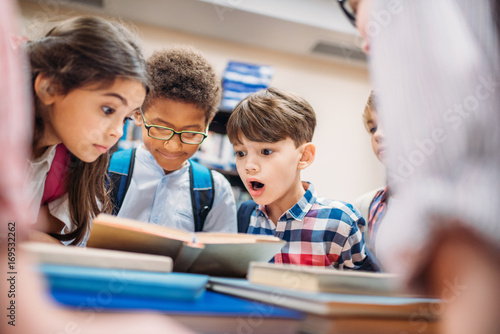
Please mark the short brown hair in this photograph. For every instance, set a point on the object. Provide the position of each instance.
(184, 75)
(271, 115)
(369, 108)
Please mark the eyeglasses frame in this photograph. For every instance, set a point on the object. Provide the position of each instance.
(149, 126)
(351, 17)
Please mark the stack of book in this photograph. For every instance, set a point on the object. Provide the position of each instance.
(130, 265)
(327, 295)
(223, 283)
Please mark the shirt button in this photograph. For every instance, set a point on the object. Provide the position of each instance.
(155, 220)
(164, 180)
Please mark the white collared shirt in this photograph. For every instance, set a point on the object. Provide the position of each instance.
(165, 199)
(35, 185)
(35, 179)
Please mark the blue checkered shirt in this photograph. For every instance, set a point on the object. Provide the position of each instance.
(318, 232)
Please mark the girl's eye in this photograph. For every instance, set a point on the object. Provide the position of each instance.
(127, 119)
(266, 151)
(108, 110)
(240, 154)
(373, 129)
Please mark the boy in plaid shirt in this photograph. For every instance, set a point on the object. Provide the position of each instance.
(271, 133)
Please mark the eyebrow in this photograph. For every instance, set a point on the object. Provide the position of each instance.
(169, 125)
(118, 96)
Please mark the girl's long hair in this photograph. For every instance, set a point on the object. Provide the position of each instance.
(78, 52)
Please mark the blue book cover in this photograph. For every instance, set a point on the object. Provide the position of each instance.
(324, 303)
(210, 304)
(121, 282)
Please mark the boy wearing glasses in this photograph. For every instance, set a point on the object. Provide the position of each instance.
(183, 99)
(271, 132)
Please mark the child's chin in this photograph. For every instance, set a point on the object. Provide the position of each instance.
(169, 168)
(260, 201)
(88, 158)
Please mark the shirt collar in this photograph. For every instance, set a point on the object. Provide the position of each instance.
(46, 157)
(301, 208)
(385, 194)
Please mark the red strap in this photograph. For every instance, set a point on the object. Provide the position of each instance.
(54, 184)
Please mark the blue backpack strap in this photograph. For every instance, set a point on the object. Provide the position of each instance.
(244, 214)
(120, 172)
(202, 193)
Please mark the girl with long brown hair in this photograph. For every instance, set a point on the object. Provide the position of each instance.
(88, 77)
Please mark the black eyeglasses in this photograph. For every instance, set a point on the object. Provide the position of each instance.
(349, 9)
(164, 133)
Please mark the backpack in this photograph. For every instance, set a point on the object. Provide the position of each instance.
(244, 214)
(120, 172)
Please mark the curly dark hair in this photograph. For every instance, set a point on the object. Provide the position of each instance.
(183, 74)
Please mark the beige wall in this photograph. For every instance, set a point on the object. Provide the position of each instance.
(345, 166)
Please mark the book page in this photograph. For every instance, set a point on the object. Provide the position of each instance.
(92, 257)
(109, 232)
(320, 279)
(233, 238)
(142, 227)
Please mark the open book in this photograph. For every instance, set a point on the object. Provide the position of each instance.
(217, 254)
(319, 279)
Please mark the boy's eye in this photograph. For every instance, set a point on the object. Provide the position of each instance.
(108, 110)
(373, 129)
(189, 135)
(266, 151)
(240, 154)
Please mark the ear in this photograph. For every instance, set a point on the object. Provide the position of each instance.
(44, 89)
(138, 118)
(308, 151)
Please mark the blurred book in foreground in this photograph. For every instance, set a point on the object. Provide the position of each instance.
(99, 258)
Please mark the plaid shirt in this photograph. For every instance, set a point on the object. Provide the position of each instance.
(377, 211)
(318, 231)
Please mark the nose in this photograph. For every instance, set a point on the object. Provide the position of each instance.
(379, 134)
(115, 129)
(251, 165)
(174, 141)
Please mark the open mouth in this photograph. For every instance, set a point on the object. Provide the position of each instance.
(256, 185)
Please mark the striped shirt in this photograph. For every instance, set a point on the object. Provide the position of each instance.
(376, 212)
(318, 231)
